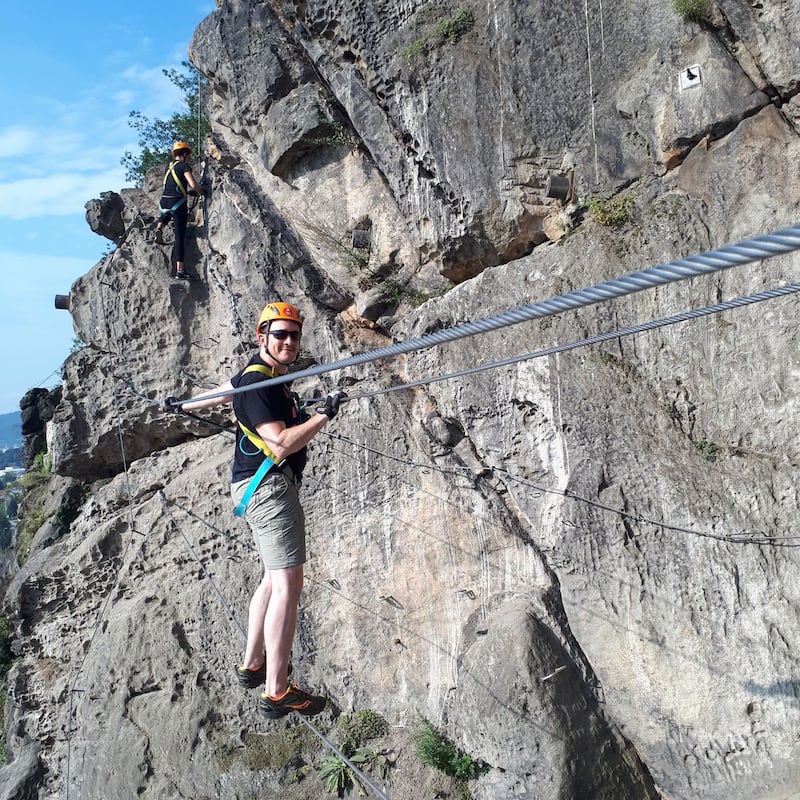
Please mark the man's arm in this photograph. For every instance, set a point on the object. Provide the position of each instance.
(196, 403)
(284, 441)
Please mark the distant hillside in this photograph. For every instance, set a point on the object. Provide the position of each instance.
(10, 430)
(11, 457)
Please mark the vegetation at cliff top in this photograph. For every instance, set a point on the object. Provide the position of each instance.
(157, 136)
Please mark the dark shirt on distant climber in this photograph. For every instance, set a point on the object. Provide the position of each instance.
(171, 189)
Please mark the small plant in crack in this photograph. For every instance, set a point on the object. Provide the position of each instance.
(692, 10)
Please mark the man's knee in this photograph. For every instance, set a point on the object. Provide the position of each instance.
(288, 582)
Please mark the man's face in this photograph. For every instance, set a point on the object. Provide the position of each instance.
(282, 342)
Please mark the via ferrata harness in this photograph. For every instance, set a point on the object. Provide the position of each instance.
(270, 459)
(182, 200)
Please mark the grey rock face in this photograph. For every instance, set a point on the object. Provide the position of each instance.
(581, 568)
(22, 777)
(36, 410)
(104, 216)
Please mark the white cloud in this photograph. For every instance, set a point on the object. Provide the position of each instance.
(17, 141)
(156, 92)
(57, 194)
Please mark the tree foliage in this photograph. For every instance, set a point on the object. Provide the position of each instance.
(156, 136)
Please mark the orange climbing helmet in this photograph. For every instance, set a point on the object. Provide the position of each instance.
(274, 311)
(178, 146)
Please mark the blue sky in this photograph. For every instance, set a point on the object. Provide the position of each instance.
(72, 73)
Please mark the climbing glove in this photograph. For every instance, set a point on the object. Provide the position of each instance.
(332, 402)
(169, 405)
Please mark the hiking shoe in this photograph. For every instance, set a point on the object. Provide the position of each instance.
(185, 276)
(293, 699)
(252, 678)
(159, 236)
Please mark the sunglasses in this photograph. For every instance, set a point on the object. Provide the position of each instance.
(293, 335)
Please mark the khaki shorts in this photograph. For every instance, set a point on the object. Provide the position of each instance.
(277, 520)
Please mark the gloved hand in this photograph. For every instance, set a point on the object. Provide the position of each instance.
(169, 405)
(332, 402)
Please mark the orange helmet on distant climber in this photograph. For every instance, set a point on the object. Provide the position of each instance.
(178, 146)
(274, 311)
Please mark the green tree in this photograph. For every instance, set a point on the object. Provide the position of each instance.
(156, 136)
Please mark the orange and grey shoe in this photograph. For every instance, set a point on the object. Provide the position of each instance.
(252, 678)
(293, 699)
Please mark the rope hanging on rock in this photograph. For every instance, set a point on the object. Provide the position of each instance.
(738, 537)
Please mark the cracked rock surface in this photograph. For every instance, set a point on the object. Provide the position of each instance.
(580, 567)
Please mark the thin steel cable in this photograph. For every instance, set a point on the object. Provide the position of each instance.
(783, 241)
(361, 776)
(56, 371)
(740, 537)
(231, 616)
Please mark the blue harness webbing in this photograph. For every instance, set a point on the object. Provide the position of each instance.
(266, 465)
(269, 457)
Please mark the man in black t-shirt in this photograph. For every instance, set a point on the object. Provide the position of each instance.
(268, 464)
(179, 183)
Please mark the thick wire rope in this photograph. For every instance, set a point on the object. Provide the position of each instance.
(361, 776)
(744, 537)
(122, 560)
(782, 241)
(739, 302)
(685, 316)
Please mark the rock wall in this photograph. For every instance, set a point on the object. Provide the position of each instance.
(552, 561)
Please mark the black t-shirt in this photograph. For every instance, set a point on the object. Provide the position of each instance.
(171, 189)
(268, 404)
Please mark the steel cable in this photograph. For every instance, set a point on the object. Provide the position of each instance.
(783, 241)
(599, 338)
